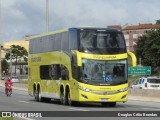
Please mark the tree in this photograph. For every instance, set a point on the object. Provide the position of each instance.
(148, 48)
(158, 21)
(17, 52)
(5, 66)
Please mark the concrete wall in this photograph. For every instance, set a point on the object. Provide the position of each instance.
(144, 92)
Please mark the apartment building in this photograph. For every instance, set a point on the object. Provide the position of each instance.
(22, 43)
(132, 32)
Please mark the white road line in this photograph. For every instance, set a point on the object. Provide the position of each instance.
(23, 101)
(78, 109)
(151, 109)
(25, 118)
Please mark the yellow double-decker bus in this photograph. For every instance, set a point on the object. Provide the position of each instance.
(79, 65)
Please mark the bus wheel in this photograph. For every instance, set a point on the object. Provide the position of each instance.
(39, 98)
(38, 95)
(70, 102)
(62, 98)
(35, 94)
(42, 99)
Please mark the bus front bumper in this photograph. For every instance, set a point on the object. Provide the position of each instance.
(91, 97)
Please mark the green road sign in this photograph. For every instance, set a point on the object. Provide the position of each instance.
(145, 70)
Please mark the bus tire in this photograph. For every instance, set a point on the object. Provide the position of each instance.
(70, 102)
(34, 93)
(36, 96)
(62, 98)
(39, 97)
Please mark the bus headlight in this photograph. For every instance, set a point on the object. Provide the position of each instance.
(83, 89)
(123, 90)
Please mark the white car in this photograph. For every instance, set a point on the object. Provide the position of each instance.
(3, 78)
(147, 83)
(14, 79)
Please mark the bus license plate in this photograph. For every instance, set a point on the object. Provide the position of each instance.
(104, 99)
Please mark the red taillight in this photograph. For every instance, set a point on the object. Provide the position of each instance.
(145, 84)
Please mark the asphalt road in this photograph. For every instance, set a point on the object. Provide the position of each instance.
(21, 101)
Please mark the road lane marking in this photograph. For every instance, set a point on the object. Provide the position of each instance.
(25, 118)
(151, 109)
(78, 109)
(23, 101)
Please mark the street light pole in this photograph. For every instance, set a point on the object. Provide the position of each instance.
(140, 61)
(47, 15)
(0, 43)
(10, 50)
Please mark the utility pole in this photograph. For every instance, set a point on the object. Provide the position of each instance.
(0, 42)
(140, 61)
(47, 16)
(10, 50)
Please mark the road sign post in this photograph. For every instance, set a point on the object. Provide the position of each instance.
(145, 70)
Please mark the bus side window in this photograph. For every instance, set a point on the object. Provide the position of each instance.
(64, 73)
(55, 72)
(44, 72)
(75, 69)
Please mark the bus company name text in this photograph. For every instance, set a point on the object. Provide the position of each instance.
(105, 57)
(37, 59)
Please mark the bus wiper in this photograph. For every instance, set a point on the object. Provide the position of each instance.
(86, 80)
(104, 84)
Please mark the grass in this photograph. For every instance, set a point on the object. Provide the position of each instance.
(7, 118)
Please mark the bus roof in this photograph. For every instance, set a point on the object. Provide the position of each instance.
(64, 30)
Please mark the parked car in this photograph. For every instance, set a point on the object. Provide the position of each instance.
(3, 78)
(147, 83)
(14, 79)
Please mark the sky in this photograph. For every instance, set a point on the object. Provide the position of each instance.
(19, 18)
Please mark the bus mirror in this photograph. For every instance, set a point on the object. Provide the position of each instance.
(133, 58)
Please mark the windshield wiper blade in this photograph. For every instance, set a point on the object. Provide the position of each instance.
(104, 84)
(86, 80)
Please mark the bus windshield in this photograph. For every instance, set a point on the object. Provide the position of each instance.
(102, 42)
(103, 72)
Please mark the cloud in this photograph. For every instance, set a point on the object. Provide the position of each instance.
(23, 17)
